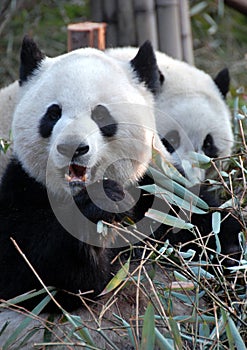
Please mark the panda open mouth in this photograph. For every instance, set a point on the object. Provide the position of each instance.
(77, 175)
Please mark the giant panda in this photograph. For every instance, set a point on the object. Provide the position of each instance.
(191, 113)
(79, 143)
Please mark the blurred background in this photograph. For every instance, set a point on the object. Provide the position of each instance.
(217, 32)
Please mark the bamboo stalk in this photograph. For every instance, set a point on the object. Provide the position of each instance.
(186, 37)
(110, 16)
(146, 24)
(126, 23)
(169, 27)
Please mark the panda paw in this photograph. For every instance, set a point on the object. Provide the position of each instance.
(105, 200)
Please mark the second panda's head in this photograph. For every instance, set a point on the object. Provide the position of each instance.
(83, 117)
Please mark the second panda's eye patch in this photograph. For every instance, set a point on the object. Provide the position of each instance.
(209, 147)
(48, 121)
(171, 141)
(105, 121)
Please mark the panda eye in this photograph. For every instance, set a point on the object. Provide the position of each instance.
(171, 141)
(54, 112)
(105, 121)
(49, 119)
(209, 147)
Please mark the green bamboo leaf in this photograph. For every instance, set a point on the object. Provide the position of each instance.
(162, 342)
(172, 198)
(200, 160)
(25, 297)
(176, 188)
(204, 330)
(216, 222)
(117, 279)
(148, 331)
(176, 334)
(129, 329)
(169, 169)
(239, 342)
(229, 335)
(199, 271)
(168, 219)
(80, 331)
(24, 324)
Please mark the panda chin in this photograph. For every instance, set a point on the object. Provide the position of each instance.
(77, 178)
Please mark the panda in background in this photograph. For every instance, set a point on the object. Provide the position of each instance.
(191, 116)
(8, 100)
(73, 134)
(191, 113)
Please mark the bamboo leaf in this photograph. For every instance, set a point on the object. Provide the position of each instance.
(176, 334)
(148, 332)
(216, 222)
(162, 342)
(168, 219)
(168, 169)
(129, 330)
(176, 188)
(80, 331)
(117, 279)
(24, 324)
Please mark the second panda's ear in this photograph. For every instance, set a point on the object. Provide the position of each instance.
(222, 80)
(31, 57)
(145, 66)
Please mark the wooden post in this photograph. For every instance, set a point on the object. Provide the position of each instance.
(186, 37)
(169, 27)
(86, 34)
(126, 23)
(110, 16)
(146, 25)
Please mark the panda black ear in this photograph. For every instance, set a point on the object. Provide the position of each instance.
(222, 80)
(31, 57)
(145, 66)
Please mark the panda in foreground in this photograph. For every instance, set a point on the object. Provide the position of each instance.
(73, 133)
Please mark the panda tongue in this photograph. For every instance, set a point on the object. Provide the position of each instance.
(77, 172)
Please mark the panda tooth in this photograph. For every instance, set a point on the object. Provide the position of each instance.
(67, 177)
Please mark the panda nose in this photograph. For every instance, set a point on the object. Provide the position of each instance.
(81, 150)
(71, 151)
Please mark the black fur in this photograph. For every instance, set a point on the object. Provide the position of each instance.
(145, 66)
(47, 123)
(104, 120)
(209, 147)
(31, 57)
(60, 259)
(222, 80)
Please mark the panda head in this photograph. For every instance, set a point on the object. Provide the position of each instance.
(83, 117)
(192, 116)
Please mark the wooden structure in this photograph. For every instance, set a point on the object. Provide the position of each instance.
(86, 34)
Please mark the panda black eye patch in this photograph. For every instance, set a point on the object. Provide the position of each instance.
(209, 147)
(171, 141)
(49, 119)
(105, 121)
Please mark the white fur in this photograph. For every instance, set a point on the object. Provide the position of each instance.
(77, 82)
(190, 103)
(8, 101)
